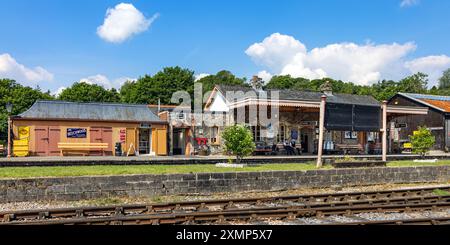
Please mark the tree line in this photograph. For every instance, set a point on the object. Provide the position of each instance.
(148, 89)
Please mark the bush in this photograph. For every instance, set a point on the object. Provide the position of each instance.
(422, 140)
(238, 141)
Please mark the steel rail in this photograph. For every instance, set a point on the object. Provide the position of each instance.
(206, 204)
(417, 221)
(278, 212)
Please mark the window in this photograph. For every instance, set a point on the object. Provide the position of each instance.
(214, 136)
(180, 115)
(256, 130)
(350, 135)
(281, 137)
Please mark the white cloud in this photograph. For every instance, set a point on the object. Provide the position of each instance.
(200, 76)
(118, 82)
(58, 91)
(264, 75)
(122, 22)
(105, 82)
(10, 68)
(408, 3)
(432, 65)
(362, 64)
(275, 51)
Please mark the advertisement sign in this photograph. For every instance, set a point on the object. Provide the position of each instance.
(76, 133)
(122, 135)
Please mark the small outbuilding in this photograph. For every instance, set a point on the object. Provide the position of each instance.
(53, 128)
(437, 120)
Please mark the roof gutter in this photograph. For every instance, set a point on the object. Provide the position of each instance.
(18, 118)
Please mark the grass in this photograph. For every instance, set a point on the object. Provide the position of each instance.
(412, 164)
(24, 172)
(57, 171)
(440, 192)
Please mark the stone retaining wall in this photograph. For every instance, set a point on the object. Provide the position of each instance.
(87, 187)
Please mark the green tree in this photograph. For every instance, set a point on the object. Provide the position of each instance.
(148, 89)
(21, 97)
(238, 141)
(282, 82)
(444, 81)
(84, 92)
(422, 140)
(223, 77)
(384, 89)
(128, 92)
(416, 83)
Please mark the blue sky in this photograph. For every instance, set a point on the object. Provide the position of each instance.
(358, 41)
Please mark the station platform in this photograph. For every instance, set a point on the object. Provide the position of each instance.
(144, 160)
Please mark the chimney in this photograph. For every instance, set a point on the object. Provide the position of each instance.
(326, 88)
(257, 83)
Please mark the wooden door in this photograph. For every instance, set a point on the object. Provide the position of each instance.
(54, 136)
(130, 142)
(95, 137)
(161, 144)
(107, 138)
(41, 135)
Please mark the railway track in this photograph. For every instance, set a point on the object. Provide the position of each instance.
(419, 221)
(247, 208)
(278, 212)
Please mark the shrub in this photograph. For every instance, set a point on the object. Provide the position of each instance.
(238, 141)
(422, 140)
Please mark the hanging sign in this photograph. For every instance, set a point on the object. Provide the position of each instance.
(76, 133)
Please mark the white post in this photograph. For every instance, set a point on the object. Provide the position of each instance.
(9, 137)
(323, 100)
(384, 131)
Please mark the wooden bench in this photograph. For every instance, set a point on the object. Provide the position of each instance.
(346, 148)
(2, 150)
(82, 147)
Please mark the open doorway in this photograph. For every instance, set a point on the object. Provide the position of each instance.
(179, 141)
(145, 141)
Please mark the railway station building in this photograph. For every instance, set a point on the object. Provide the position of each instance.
(348, 123)
(437, 120)
(54, 128)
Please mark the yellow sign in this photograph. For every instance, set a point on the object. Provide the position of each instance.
(20, 148)
(24, 132)
(407, 145)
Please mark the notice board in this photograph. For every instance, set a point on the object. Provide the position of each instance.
(350, 117)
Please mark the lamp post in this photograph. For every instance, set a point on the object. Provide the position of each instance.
(9, 110)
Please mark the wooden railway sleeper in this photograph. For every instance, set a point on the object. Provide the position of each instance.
(119, 211)
(9, 217)
(202, 207)
(149, 209)
(79, 213)
(292, 216)
(44, 215)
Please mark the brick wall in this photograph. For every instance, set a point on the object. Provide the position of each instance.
(75, 188)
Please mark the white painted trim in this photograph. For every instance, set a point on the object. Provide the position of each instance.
(407, 110)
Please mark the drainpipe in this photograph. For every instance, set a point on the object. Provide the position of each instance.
(384, 131)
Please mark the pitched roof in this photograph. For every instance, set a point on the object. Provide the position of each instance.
(297, 95)
(54, 109)
(154, 108)
(439, 102)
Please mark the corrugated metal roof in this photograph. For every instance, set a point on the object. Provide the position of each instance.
(438, 102)
(428, 96)
(54, 109)
(297, 95)
(444, 105)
